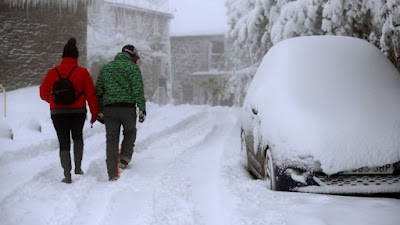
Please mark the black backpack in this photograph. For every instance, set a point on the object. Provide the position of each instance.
(64, 90)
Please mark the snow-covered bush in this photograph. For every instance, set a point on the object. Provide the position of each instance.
(32, 124)
(5, 130)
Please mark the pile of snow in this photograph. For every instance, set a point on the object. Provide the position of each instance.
(333, 98)
(5, 130)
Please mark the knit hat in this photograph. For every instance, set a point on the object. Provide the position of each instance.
(131, 50)
(70, 49)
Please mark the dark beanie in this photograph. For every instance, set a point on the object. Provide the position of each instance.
(70, 49)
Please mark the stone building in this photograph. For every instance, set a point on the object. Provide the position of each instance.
(34, 33)
(199, 64)
(112, 25)
(33, 38)
(199, 53)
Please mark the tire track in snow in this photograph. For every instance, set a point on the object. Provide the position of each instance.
(49, 145)
(197, 175)
(60, 202)
(167, 132)
(65, 201)
(137, 184)
(13, 164)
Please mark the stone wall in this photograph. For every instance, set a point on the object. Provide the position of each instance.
(32, 41)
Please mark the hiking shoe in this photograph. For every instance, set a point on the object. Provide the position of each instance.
(123, 165)
(114, 178)
(67, 180)
(79, 171)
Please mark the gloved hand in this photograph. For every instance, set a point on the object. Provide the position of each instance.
(93, 119)
(142, 116)
(100, 118)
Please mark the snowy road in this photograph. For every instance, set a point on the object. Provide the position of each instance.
(187, 169)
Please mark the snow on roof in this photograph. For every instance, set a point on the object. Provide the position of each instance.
(335, 99)
(151, 5)
(198, 17)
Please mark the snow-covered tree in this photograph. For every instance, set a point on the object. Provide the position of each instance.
(298, 18)
(256, 25)
(248, 21)
(344, 17)
(386, 32)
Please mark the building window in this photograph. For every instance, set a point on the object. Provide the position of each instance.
(215, 57)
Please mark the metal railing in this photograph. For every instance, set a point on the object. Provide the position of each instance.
(5, 99)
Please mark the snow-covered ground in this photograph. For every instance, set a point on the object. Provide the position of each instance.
(186, 169)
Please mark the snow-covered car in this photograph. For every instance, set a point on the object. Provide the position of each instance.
(322, 115)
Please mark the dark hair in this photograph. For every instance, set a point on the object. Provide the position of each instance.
(131, 50)
(70, 49)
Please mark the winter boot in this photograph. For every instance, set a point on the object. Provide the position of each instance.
(79, 171)
(65, 158)
(123, 164)
(67, 180)
(113, 178)
(78, 153)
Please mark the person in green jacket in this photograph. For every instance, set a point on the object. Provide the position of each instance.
(120, 95)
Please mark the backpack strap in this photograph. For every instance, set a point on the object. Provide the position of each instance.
(58, 73)
(71, 72)
(79, 95)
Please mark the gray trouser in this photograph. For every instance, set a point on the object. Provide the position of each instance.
(114, 117)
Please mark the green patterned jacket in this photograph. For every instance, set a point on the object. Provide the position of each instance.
(120, 81)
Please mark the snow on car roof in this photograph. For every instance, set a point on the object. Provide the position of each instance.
(333, 98)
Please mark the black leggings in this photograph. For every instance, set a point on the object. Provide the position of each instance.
(67, 124)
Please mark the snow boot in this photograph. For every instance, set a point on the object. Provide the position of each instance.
(78, 154)
(79, 171)
(67, 180)
(123, 164)
(114, 178)
(65, 159)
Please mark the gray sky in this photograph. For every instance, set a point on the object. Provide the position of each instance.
(194, 17)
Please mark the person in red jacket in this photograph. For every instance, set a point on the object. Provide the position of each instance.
(69, 119)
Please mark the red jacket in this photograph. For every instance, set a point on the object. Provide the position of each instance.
(81, 80)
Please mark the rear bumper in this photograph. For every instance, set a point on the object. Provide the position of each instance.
(352, 184)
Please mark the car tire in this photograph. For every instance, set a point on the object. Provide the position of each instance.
(269, 167)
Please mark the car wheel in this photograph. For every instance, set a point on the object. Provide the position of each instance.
(243, 149)
(270, 170)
